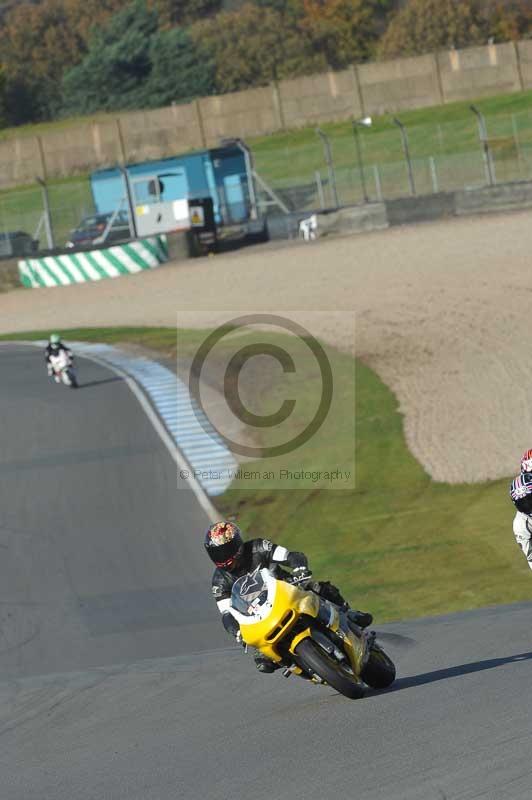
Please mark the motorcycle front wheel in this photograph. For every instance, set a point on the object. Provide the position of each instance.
(73, 380)
(379, 672)
(314, 660)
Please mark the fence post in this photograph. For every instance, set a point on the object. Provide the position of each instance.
(330, 166)
(517, 142)
(356, 125)
(483, 138)
(319, 184)
(434, 175)
(518, 67)
(278, 105)
(360, 96)
(199, 119)
(130, 206)
(250, 177)
(439, 81)
(378, 182)
(40, 149)
(406, 149)
(47, 216)
(121, 148)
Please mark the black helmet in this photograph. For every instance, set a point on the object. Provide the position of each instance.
(224, 544)
(521, 492)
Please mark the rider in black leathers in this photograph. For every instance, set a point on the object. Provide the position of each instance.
(234, 557)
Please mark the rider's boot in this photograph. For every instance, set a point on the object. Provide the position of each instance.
(362, 619)
(329, 592)
(264, 664)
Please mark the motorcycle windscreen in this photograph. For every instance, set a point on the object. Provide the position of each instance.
(249, 593)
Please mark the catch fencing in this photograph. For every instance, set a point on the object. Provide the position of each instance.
(324, 168)
(343, 165)
(25, 211)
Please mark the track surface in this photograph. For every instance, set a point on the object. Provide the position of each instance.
(100, 563)
(104, 692)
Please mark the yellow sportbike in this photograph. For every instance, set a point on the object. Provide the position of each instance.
(307, 635)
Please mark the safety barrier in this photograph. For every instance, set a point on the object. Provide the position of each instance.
(421, 208)
(94, 265)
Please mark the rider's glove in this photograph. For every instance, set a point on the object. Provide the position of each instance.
(301, 574)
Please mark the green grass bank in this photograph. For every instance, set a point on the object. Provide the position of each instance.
(398, 544)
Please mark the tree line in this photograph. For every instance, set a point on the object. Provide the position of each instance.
(68, 57)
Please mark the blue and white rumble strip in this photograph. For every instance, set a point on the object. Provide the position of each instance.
(211, 462)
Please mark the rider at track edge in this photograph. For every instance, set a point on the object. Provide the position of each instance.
(521, 494)
(235, 557)
(53, 348)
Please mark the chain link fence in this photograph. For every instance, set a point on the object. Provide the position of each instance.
(25, 226)
(312, 170)
(325, 170)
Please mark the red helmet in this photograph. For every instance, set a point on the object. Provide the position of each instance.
(224, 544)
(526, 461)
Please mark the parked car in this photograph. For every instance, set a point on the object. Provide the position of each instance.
(17, 243)
(91, 229)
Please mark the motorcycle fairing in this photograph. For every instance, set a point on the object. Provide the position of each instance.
(264, 626)
(268, 609)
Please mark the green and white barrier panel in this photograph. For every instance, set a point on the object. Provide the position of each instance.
(94, 265)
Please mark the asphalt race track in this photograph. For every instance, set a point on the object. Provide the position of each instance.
(100, 560)
(117, 681)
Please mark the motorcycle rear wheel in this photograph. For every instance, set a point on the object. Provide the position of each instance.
(379, 672)
(315, 660)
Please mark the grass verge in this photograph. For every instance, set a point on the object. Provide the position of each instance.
(399, 544)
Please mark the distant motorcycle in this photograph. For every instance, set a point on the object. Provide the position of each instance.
(307, 635)
(62, 369)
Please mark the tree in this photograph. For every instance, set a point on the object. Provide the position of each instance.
(184, 12)
(36, 45)
(38, 42)
(343, 31)
(510, 20)
(178, 71)
(84, 16)
(423, 26)
(254, 46)
(130, 64)
(116, 65)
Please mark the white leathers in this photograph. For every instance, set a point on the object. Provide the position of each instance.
(522, 526)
